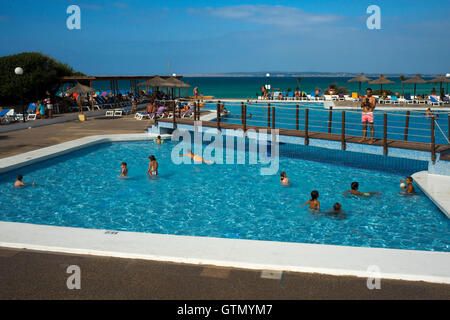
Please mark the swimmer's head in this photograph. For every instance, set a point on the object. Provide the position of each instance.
(355, 185)
(337, 206)
(283, 175)
(314, 194)
(159, 137)
(409, 180)
(123, 164)
(152, 158)
(19, 177)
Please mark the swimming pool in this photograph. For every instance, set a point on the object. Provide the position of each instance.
(81, 189)
(285, 115)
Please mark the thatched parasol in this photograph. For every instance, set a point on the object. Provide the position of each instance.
(381, 80)
(361, 78)
(440, 80)
(156, 81)
(417, 79)
(79, 88)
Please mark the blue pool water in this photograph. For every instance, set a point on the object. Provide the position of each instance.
(82, 189)
(285, 115)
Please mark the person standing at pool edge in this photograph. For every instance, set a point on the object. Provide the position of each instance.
(368, 105)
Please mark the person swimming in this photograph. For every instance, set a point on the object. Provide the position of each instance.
(284, 179)
(407, 188)
(19, 183)
(314, 204)
(124, 170)
(152, 166)
(354, 191)
(195, 157)
(158, 140)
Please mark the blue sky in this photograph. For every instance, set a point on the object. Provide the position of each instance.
(140, 37)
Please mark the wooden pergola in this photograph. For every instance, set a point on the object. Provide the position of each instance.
(134, 80)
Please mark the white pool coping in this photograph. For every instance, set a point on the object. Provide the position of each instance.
(412, 265)
(436, 187)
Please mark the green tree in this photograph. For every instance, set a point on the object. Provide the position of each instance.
(40, 73)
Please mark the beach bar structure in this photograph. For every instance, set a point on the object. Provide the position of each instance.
(114, 81)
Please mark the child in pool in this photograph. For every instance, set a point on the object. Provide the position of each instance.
(19, 183)
(124, 170)
(284, 179)
(408, 188)
(314, 204)
(152, 166)
(158, 140)
(354, 191)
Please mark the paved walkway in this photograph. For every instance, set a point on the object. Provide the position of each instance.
(43, 275)
(19, 141)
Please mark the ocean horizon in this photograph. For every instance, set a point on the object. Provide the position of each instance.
(248, 87)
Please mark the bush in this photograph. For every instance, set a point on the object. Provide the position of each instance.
(40, 73)
(379, 92)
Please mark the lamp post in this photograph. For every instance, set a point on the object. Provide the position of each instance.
(19, 72)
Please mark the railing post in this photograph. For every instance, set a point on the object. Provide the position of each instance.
(343, 147)
(174, 115)
(273, 117)
(306, 126)
(242, 112)
(198, 110)
(330, 116)
(433, 147)
(296, 117)
(244, 124)
(385, 147)
(268, 115)
(195, 111)
(449, 126)
(218, 116)
(406, 125)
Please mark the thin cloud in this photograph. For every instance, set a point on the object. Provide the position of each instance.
(278, 15)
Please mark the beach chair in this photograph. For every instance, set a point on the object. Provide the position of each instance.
(408, 98)
(394, 99)
(434, 101)
(6, 115)
(188, 113)
(159, 113)
(290, 95)
(31, 111)
(120, 112)
(142, 115)
(355, 96)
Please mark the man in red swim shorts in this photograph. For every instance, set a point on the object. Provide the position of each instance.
(368, 105)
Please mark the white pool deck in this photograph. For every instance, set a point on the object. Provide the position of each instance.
(413, 265)
(436, 187)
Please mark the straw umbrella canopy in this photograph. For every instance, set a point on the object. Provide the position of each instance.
(79, 88)
(381, 80)
(440, 80)
(415, 80)
(361, 78)
(176, 83)
(156, 81)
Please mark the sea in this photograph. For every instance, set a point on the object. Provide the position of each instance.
(249, 87)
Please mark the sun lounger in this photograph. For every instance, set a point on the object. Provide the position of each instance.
(408, 98)
(394, 99)
(8, 115)
(434, 101)
(31, 112)
(188, 113)
(141, 115)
